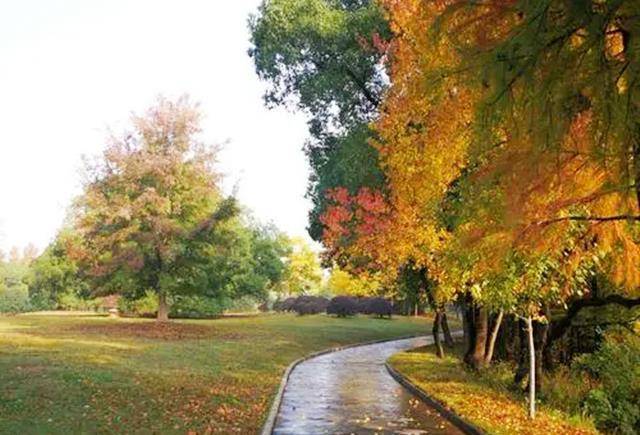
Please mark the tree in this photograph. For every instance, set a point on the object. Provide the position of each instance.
(321, 55)
(249, 259)
(302, 273)
(344, 161)
(152, 214)
(270, 248)
(325, 58)
(54, 273)
(341, 282)
(14, 296)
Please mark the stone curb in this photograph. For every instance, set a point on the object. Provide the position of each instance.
(269, 424)
(446, 412)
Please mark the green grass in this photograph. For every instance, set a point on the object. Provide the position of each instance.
(70, 374)
(484, 398)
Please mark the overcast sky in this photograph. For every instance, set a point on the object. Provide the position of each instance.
(71, 69)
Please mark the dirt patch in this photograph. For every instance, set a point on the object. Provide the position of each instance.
(151, 330)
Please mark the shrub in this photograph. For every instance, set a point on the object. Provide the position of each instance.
(342, 306)
(363, 305)
(380, 307)
(146, 306)
(284, 305)
(309, 305)
(615, 403)
(197, 307)
(14, 300)
(70, 301)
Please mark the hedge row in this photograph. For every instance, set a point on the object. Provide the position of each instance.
(341, 306)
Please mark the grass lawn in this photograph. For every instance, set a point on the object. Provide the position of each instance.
(70, 374)
(484, 398)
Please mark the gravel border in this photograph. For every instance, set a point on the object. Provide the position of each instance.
(269, 424)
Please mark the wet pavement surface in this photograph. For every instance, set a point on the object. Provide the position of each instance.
(351, 392)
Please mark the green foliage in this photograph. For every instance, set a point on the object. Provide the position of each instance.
(615, 402)
(53, 278)
(247, 263)
(14, 294)
(320, 53)
(197, 307)
(145, 306)
(14, 300)
(347, 161)
(247, 260)
(325, 56)
(71, 301)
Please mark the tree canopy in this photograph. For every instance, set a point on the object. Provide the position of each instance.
(152, 216)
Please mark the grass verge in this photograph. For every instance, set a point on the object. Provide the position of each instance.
(79, 374)
(484, 399)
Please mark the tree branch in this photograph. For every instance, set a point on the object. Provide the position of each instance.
(558, 328)
(363, 87)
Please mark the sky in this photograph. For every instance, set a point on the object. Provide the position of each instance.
(72, 70)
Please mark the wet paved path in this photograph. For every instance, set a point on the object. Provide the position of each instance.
(350, 391)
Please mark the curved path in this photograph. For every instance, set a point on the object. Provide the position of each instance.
(350, 391)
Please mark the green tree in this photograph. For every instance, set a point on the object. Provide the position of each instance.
(54, 274)
(152, 215)
(14, 295)
(325, 58)
(321, 55)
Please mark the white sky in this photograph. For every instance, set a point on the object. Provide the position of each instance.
(70, 69)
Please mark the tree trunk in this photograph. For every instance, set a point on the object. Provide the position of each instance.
(468, 323)
(532, 369)
(448, 339)
(521, 371)
(492, 341)
(415, 313)
(436, 334)
(540, 342)
(163, 308)
(480, 345)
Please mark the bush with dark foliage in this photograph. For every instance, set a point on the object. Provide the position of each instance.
(309, 305)
(379, 307)
(343, 306)
(363, 305)
(284, 305)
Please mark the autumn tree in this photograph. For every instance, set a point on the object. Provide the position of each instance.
(341, 282)
(525, 110)
(152, 213)
(302, 273)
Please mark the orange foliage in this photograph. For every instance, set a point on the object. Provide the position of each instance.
(522, 193)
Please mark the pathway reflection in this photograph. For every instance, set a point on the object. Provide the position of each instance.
(350, 391)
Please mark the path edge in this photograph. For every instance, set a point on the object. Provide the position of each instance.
(462, 424)
(269, 424)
